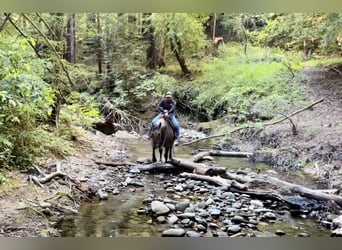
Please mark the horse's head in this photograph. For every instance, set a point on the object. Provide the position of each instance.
(156, 132)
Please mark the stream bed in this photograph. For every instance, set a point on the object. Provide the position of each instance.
(119, 215)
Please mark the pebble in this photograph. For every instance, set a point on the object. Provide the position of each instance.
(102, 195)
(303, 235)
(234, 229)
(161, 219)
(215, 212)
(159, 208)
(141, 211)
(280, 232)
(172, 219)
(257, 203)
(193, 234)
(187, 216)
(174, 232)
(181, 206)
(269, 216)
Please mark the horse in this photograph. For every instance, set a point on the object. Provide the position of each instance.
(162, 136)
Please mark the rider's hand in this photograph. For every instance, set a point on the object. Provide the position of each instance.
(165, 111)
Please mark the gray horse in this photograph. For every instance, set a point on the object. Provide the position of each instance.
(162, 136)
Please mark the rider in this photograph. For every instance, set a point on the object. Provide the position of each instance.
(167, 107)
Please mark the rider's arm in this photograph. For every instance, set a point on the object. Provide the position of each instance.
(173, 108)
(161, 106)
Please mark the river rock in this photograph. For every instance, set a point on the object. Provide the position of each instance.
(201, 221)
(237, 205)
(174, 232)
(209, 202)
(172, 207)
(280, 232)
(193, 234)
(187, 216)
(269, 216)
(336, 226)
(215, 212)
(181, 206)
(102, 195)
(237, 219)
(179, 188)
(172, 219)
(303, 235)
(44, 204)
(234, 229)
(141, 211)
(159, 208)
(161, 219)
(257, 203)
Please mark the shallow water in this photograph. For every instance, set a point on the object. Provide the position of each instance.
(117, 216)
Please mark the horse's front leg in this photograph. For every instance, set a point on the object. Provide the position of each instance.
(154, 159)
(160, 153)
(170, 156)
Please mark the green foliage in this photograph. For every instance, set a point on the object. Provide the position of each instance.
(25, 99)
(80, 110)
(245, 88)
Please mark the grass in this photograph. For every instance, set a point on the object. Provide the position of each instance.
(319, 62)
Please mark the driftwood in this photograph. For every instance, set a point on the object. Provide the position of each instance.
(254, 126)
(48, 177)
(107, 127)
(115, 164)
(216, 180)
(198, 168)
(198, 157)
(156, 166)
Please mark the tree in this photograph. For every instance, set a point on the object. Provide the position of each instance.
(70, 51)
(184, 33)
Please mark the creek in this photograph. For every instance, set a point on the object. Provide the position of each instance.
(117, 216)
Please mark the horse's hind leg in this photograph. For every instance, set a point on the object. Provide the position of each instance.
(170, 153)
(154, 159)
(166, 154)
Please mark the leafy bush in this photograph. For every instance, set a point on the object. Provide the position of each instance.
(25, 100)
(251, 87)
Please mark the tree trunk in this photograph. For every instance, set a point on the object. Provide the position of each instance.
(99, 44)
(70, 54)
(198, 157)
(156, 49)
(198, 168)
(176, 48)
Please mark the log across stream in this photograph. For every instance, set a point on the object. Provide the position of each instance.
(125, 214)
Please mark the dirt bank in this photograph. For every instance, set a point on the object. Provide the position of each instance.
(29, 210)
(317, 148)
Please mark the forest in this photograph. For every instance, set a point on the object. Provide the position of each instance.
(262, 85)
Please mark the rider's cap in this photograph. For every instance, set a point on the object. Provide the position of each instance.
(168, 94)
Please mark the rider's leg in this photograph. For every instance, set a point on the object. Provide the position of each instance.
(175, 125)
(155, 119)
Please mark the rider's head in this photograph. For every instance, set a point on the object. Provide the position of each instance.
(168, 96)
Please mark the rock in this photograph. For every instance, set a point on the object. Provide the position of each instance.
(201, 221)
(141, 211)
(202, 228)
(172, 207)
(336, 226)
(215, 212)
(102, 195)
(179, 232)
(181, 206)
(172, 219)
(213, 225)
(269, 216)
(185, 221)
(187, 216)
(203, 190)
(159, 208)
(179, 188)
(303, 235)
(257, 203)
(143, 160)
(115, 191)
(209, 202)
(234, 229)
(161, 219)
(238, 219)
(193, 234)
(237, 205)
(280, 232)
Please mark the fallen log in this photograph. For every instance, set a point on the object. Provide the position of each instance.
(156, 166)
(257, 126)
(115, 164)
(198, 168)
(198, 157)
(217, 180)
(303, 191)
